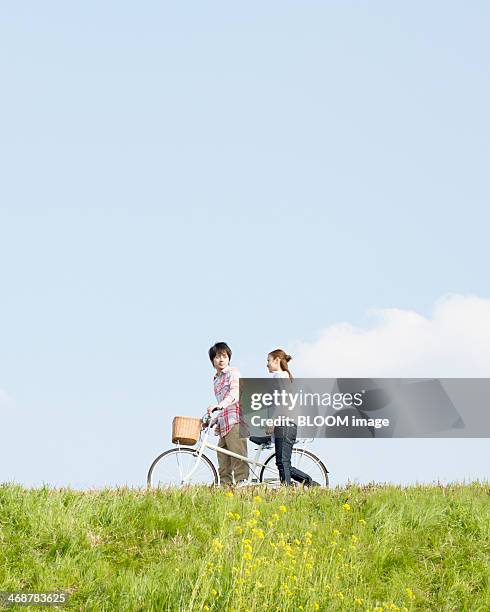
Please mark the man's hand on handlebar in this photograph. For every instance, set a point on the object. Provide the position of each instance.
(208, 419)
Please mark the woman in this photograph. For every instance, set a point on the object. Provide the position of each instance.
(285, 436)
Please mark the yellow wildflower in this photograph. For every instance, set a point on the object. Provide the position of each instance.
(217, 545)
(275, 517)
(247, 556)
(214, 592)
(256, 513)
(359, 601)
(409, 593)
(238, 530)
(346, 507)
(354, 538)
(252, 523)
(282, 508)
(335, 532)
(229, 494)
(257, 498)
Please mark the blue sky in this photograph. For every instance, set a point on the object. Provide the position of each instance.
(173, 175)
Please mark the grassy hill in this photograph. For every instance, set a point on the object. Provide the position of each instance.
(355, 548)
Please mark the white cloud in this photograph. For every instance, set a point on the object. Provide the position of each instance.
(454, 342)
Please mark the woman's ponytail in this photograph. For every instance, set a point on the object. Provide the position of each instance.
(284, 359)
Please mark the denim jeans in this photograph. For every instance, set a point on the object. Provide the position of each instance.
(284, 438)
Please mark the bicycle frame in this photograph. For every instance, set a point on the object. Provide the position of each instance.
(205, 444)
(252, 462)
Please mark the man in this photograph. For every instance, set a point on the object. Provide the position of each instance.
(227, 420)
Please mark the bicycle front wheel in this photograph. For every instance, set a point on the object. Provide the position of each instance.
(303, 462)
(181, 466)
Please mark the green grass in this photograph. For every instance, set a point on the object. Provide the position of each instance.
(390, 548)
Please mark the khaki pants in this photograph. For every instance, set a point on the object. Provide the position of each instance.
(227, 464)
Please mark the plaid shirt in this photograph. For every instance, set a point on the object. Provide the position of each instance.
(226, 390)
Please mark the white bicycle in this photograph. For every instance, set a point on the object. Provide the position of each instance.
(188, 465)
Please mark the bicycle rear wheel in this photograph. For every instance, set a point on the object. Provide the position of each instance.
(172, 469)
(303, 461)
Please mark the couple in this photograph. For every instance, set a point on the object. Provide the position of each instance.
(227, 421)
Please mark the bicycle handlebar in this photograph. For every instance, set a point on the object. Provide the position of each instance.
(206, 418)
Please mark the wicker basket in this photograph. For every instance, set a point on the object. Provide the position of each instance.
(186, 430)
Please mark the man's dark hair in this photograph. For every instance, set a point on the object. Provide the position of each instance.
(219, 347)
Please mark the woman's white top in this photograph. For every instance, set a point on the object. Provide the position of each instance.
(280, 374)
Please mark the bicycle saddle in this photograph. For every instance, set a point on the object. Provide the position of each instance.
(261, 440)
